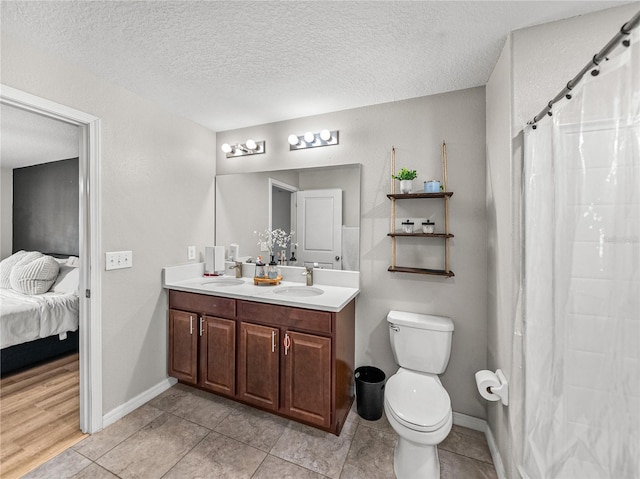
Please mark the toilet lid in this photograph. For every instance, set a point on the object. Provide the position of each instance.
(418, 401)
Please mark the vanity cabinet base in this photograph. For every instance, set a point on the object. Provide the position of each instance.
(294, 362)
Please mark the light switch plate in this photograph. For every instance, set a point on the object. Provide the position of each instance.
(118, 260)
(191, 252)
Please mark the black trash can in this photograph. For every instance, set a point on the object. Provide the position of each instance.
(369, 392)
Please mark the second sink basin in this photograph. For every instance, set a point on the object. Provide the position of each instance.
(298, 291)
(222, 282)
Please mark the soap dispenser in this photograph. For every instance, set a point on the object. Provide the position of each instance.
(273, 269)
(260, 268)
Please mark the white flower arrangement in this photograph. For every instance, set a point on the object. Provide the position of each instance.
(274, 237)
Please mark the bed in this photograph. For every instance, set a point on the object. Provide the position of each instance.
(38, 327)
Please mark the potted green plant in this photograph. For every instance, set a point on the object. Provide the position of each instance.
(406, 178)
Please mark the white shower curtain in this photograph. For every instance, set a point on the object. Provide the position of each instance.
(581, 344)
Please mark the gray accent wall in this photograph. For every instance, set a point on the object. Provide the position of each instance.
(45, 208)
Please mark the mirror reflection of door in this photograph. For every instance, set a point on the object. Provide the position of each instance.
(319, 227)
(282, 212)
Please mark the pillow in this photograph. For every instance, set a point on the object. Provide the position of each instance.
(6, 265)
(68, 280)
(73, 261)
(34, 276)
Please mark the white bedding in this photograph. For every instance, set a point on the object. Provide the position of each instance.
(25, 318)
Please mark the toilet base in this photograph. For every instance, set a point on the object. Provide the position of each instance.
(415, 461)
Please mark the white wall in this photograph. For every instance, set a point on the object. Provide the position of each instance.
(535, 65)
(6, 212)
(157, 176)
(416, 128)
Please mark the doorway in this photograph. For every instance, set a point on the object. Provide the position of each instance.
(90, 349)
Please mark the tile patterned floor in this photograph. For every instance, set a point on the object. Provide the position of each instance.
(187, 433)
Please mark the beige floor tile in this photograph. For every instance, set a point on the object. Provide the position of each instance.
(381, 424)
(370, 455)
(102, 442)
(171, 437)
(197, 406)
(219, 457)
(63, 466)
(254, 427)
(275, 468)
(156, 448)
(94, 472)
(467, 442)
(313, 449)
(455, 466)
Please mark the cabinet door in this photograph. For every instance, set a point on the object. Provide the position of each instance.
(218, 355)
(307, 385)
(183, 346)
(258, 365)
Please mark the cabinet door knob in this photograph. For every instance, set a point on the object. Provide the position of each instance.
(201, 324)
(273, 341)
(190, 324)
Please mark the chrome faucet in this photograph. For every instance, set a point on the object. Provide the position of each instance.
(238, 268)
(308, 272)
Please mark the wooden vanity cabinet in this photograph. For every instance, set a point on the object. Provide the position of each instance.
(259, 365)
(217, 359)
(183, 346)
(315, 352)
(202, 341)
(295, 362)
(307, 378)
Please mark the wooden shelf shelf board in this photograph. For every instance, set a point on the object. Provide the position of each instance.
(409, 196)
(437, 272)
(423, 235)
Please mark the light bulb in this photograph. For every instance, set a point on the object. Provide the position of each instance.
(325, 135)
(226, 148)
(293, 140)
(309, 137)
(251, 144)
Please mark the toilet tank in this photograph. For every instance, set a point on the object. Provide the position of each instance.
(420, 342)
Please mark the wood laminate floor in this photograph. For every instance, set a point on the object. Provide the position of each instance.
(39, 415)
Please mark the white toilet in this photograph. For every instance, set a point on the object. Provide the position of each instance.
(415, 402)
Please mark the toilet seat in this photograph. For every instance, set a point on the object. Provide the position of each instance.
(417, 401)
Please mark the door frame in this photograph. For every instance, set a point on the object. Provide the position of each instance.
(90, 287)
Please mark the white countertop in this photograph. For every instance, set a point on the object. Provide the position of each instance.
(342, 287)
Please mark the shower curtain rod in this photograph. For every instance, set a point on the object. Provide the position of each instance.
(620, 37)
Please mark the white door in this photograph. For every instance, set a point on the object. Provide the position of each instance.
(319, 227)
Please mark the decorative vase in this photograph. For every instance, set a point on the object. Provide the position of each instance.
(406, 186)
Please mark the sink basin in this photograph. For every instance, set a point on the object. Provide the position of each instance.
(222, 282)
(298, 291)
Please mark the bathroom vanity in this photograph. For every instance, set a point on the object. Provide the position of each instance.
(287, 349)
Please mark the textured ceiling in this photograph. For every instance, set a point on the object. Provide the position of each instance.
(228, 65)
(30, 139)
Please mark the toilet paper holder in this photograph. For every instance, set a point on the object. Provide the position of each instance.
(493, 386)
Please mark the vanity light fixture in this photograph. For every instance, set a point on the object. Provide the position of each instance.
(249, 148)
(313, 140)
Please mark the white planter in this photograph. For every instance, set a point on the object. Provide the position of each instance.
(406, 186)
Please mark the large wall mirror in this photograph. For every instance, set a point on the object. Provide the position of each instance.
(322, 206)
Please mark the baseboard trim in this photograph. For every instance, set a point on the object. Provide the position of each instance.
(495, 454)
(134, 403)
(471, 422)
(481, 425)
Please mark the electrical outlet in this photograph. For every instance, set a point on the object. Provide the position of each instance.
(118, 260)
(263, 246)
(191, 252)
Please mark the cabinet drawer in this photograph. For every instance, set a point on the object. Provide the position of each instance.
(285, 316)
(202, 303)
